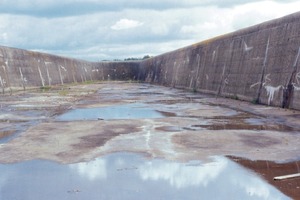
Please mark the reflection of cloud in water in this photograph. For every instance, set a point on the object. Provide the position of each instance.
(132, 176)
(3, 179)
(221, 173)
(92, 170)
(181, 175)
(253, 186)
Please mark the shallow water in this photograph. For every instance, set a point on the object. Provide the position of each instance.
(132, 176)
(126, 111)
(15, 132)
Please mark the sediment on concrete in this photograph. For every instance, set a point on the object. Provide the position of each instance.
(258, 64)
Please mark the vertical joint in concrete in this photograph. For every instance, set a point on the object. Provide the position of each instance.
(288, 91)
(257, 100)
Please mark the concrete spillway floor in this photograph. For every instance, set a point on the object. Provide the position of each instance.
(79, 123)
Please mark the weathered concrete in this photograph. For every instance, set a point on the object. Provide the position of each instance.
(195, 126)
(20, 69)
(259, 64)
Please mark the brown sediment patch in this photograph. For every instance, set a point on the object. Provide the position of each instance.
(193, 141)
(99, 139)
(167, 114)
(6, 133)
(64, 142)
(169, 128)
(271, 145)
(259, 140)
(268, 170)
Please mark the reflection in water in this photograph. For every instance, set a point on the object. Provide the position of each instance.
(92, 170)
(126, 111)
(182, 176)
(130, 176)
(221, 174)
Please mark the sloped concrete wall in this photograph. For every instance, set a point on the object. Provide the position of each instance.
(21, 69)
(259, 64)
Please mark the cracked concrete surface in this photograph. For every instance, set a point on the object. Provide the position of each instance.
(193, 126)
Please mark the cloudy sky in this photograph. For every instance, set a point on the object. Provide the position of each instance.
(98, 30)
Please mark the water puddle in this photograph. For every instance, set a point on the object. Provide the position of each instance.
(274, 127)
(127, 111)
(241, 122)
(131, 176)
(6, 133)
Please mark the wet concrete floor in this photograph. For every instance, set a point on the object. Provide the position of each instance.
(77, 125)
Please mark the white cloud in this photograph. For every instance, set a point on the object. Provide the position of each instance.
(126, 24)
(3, 37)
(96, 30)
(258, 12)
(160, 29)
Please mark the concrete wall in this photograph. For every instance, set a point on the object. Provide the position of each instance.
(259, 64)
(21, 69)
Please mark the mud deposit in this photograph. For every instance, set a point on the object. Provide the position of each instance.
(181, 139)
(131, 176)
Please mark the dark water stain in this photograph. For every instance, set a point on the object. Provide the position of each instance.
(255, 121)
(18, 129)
(167, 114)
(190, 128)
(243, 121)
(20, 120)
(169, 128)
(93, 141)
(259, 140)
(131, 176)
(295, 116)
(173, 101)
(244, 126)
(6, 133)
(126, 111)
(12, 120)
(145, 93)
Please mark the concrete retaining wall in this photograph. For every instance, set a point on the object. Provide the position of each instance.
(21, 69)
(259, 64)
